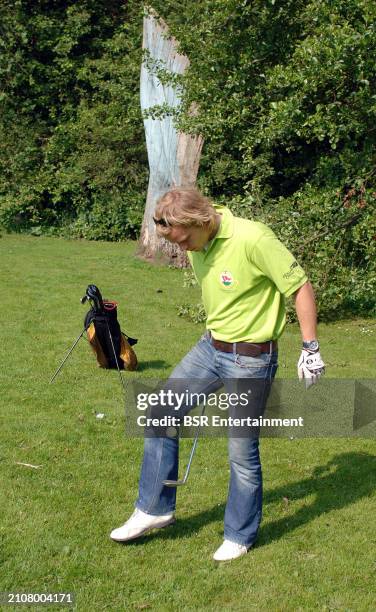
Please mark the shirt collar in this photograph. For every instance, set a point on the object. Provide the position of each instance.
(226, 228)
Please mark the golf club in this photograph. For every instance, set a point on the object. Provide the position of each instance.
(178, 483)
(93, 294)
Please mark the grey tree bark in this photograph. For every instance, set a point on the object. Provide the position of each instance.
(173, 157)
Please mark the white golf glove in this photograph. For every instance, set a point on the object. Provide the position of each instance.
(310, 367)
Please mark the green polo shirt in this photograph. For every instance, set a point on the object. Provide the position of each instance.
(245, 274)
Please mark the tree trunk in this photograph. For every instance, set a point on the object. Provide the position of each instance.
(173, 157)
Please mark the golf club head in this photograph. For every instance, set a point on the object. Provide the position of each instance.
(174, 483)
(93, 294)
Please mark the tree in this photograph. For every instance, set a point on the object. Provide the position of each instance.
(173, 156)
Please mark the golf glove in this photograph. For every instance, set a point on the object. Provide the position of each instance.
(310, 367)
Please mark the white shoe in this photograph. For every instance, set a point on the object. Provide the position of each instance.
(229, 550)
(140, 523)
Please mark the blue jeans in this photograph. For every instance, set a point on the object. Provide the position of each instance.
(209, 369)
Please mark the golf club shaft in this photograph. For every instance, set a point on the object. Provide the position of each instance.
(172, 483)
(116, 359)
(190, 458)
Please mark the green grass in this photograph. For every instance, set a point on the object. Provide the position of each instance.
(316, 548)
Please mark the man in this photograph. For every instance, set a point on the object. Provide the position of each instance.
(245, 274)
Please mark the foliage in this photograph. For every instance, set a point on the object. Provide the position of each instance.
(73, 152)
(279, 88)
(192, 312)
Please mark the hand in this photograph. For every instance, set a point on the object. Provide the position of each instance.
(310, 367)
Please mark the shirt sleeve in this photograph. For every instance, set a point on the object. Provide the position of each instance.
(277, 263)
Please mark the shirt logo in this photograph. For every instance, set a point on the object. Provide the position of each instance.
(292, 269)
(226, 279)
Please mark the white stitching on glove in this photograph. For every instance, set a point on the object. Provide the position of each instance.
(310, 367)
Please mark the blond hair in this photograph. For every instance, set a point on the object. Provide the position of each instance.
(184, 206)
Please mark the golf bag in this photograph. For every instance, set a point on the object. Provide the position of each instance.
(112, 348)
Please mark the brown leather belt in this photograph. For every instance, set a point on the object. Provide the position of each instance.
(253, 349)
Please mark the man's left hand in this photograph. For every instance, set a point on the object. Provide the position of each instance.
(310, 367)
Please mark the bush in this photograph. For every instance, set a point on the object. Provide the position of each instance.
(73, 154)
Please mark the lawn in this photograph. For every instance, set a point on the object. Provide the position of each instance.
(316, 548)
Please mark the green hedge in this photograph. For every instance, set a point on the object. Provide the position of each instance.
(72, 153)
